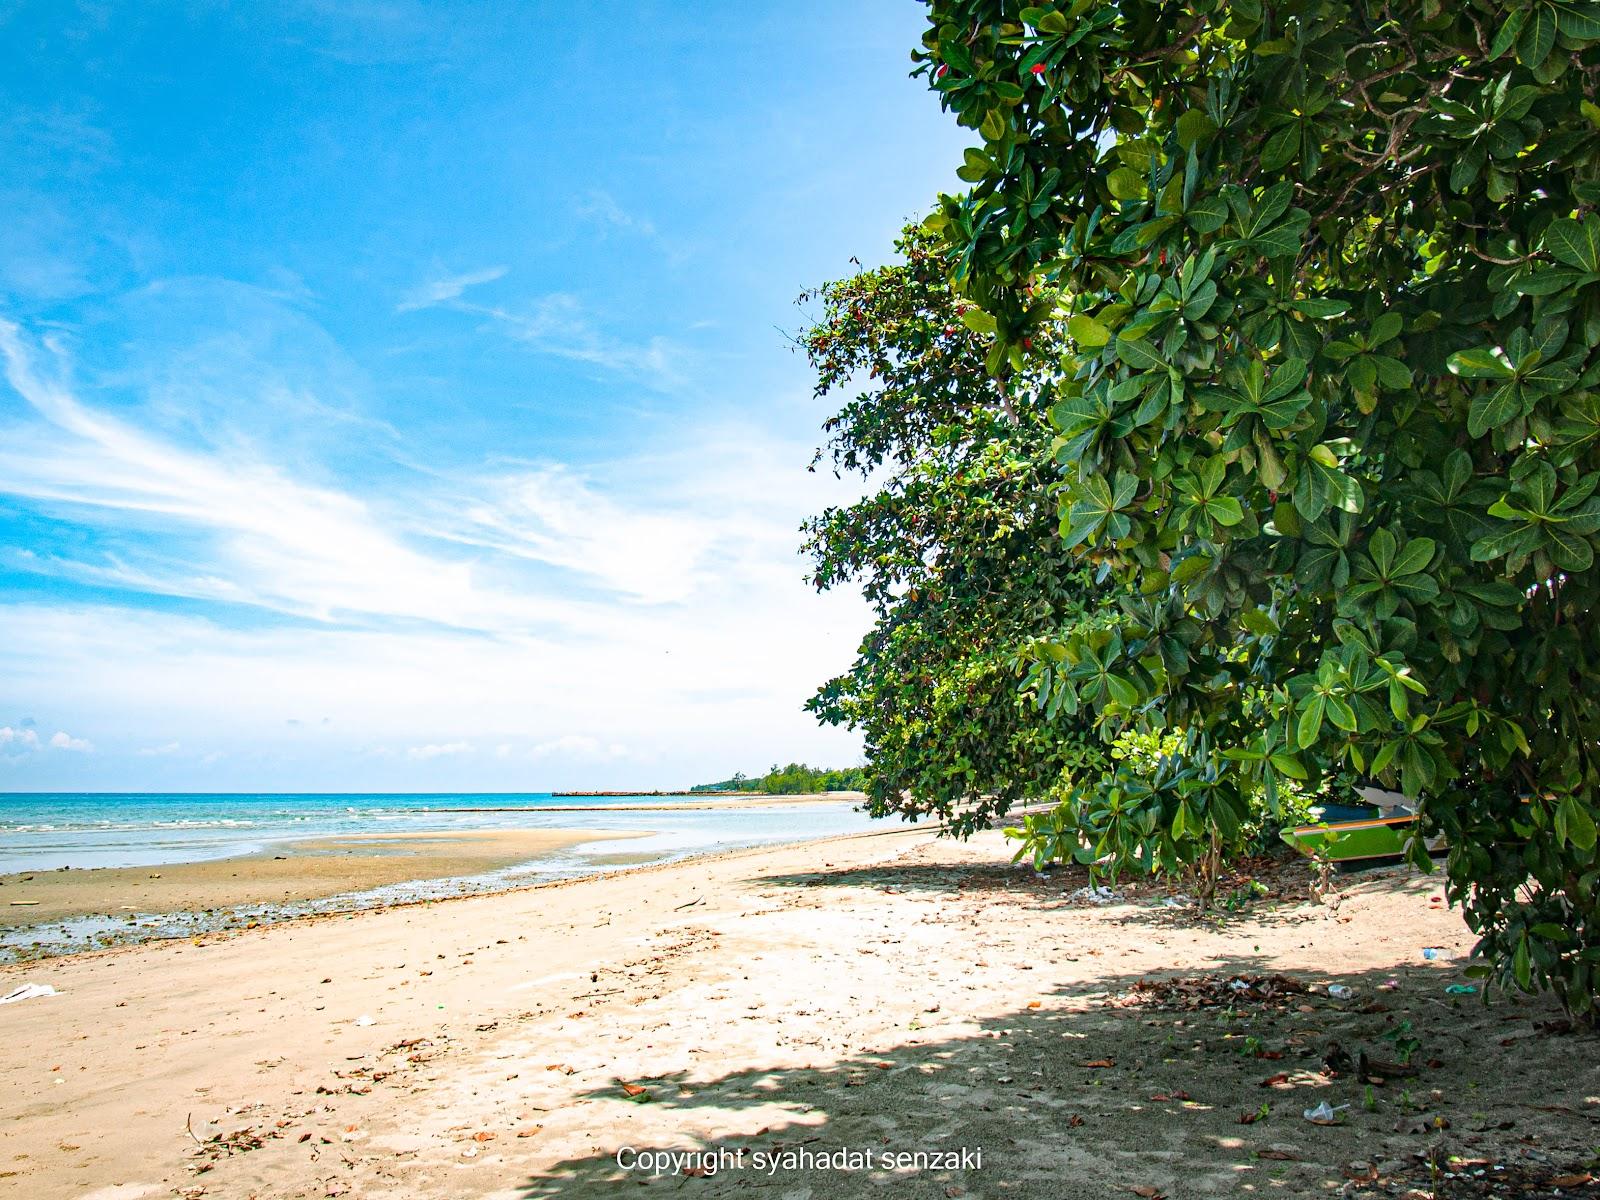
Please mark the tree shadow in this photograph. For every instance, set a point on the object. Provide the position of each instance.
(1101, 1090)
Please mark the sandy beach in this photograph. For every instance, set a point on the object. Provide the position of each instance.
(298, 870)
(886, 993)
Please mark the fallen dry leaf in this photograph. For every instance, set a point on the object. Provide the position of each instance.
(1566, 1181)
(1101, 1063)
(483, 1135)
(1074, 1121)
(1275, 1080)
(1250, 1118)
(1277, 1155)
(1148, 1192)
(529, 1130)
(1035, 1004)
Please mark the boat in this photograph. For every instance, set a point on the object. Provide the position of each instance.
(1367, 834)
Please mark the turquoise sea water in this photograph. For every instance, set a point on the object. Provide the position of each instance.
(49, 831)
(42, 831)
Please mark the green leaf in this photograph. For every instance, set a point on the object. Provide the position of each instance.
(1575, 243)
(1207, 215)
(1491, 410)
(1480, 364)
(1538, 37)
(1225, 510)
(1125, 183)
(978, 321)
(1194, 127)
(1580, 22)
(1310, 722)
(1088, 332)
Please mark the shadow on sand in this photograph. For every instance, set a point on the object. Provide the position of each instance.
(1095, 1093)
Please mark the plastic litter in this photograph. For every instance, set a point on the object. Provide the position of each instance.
(1432, 953)
(1178, 901)
(1461, 989)
(1388, 985)
(364, 1019)
(1339, 992)
(1324, 1114)
(1096, 895)
(28, 991)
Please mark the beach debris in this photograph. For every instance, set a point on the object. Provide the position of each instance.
(1148, 1192)
(1178, 901)
(639, 1095)
(1216, 991)
(528, 1131)
(28, 991)
(1324, 1113)
(1096, 895)
(1100, 1064)
(1461, 989)
(365, 1019)
(1340, 992)
(1433, 953)
(23, 903)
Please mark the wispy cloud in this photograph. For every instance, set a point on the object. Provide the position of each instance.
(439, 750)
(279, 543)
(61, 740)
(559, 325)
(602, 208)
(577, 616)
(551, 515)
(442, 291)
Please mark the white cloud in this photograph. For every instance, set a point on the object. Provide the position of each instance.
(22, 740)
(653, 603)
(436, 750)
(559, 325)
(159, 751)
(553, 516)
(602, 208)
(579, 746)
(61, 740)
(442, 291)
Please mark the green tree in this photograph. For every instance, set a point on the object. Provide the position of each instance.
(1331, 271)
(953, 545)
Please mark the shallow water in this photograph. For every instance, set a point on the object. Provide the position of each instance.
(47, 831)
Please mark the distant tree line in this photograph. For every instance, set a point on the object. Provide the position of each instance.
(796, 779)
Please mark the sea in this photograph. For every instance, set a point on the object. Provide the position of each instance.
(46, 831)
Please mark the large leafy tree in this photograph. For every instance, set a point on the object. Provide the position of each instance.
(953, 545)
(1331, 271)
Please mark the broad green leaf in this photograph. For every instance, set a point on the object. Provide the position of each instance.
(1088, 332)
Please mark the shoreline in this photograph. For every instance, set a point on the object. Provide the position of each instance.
(71, 912)
(268, 884)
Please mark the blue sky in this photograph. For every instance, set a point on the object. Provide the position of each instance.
(397, 394)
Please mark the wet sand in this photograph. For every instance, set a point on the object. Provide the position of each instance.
(282, 874)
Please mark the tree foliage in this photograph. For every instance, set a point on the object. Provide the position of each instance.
(1330, 271)
(953, 545)
(796, 779)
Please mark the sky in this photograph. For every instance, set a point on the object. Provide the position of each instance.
(399, 395)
